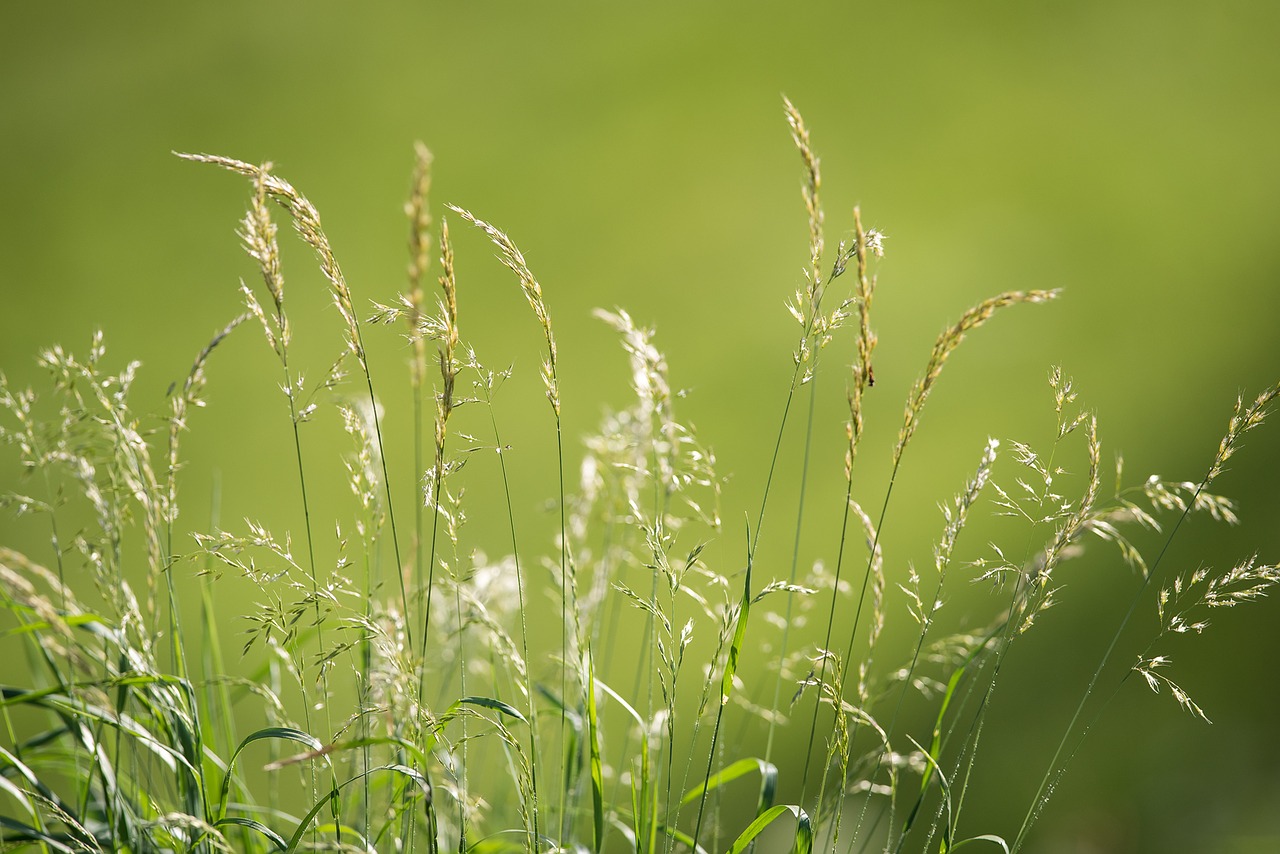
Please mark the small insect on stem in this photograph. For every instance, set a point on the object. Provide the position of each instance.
(871, 376)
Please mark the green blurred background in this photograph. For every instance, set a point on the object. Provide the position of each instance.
(1124, 152)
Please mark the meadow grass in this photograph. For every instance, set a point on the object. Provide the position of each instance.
(411, 694)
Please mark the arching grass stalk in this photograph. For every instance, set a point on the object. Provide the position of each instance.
(448, 323)
(652, 409)
(258, 235)
(946, 344)
(446, 328)
(813, 207)
(1242, 421)
(514, 260)
(415, 313)
(817, 329)
(419, 215)
(306, 221)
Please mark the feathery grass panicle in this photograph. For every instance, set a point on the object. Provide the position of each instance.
(56, 609)
(514, 260)
(957, 514)
(946, 344)
(1242, 421)
(363, 468)
(1038, 594)
(806, 306)
(449, 367)
(306, 220)
(1183, 607)
(1148, 669)
(863, 374)
(653, 394)
(258, 233)
(877, 601)
(812, 185)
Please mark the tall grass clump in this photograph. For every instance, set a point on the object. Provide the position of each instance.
(404, 687)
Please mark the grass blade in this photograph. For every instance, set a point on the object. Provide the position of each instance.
(804, 830)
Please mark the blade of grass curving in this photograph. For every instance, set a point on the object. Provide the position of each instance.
(490, 703)
(74, 710)
(17, 832)
(38, 626)
(597, 775)
(334, 794)
(768, 781)
(355, 744)
(343, 830)
(277, 733)
(803, 843)
(986, 837)
(254, 825)
(15, 791)
(945, 785)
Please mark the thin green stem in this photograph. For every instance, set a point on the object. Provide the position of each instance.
(524, 629)
(564, 631)
(754, 541)
(1054, 773)
(795, 561)
(857, 616)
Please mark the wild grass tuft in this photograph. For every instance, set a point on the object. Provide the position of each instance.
(454, 712)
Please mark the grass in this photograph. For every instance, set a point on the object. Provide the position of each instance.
(413, 694)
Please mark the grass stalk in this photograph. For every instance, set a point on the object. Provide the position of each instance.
(1242, 421)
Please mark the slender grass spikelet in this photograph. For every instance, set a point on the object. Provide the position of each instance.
(449, 366)
(512, 257)
(419, 257)
(1242, 421)
(863, 374)
(947, 342)
(812, 185)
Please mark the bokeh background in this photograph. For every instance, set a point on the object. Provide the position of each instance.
(1122, 152)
